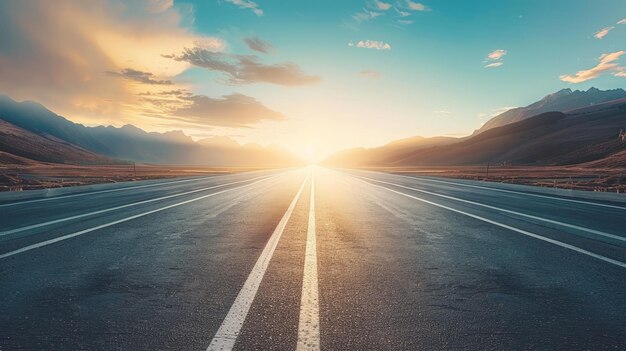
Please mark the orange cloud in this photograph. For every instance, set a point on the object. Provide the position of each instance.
(67, 73)
(607, 63)
(496, 54)
(416, 6)
(603, 32)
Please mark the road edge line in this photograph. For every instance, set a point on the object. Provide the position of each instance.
(502, 225)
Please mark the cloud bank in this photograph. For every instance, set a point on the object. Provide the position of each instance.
(62, 63)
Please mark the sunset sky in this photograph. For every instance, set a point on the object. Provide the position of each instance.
(323, 75)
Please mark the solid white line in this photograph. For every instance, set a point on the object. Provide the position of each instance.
(61, 220)
(68, 236)
(515, 192)
(502, 225)
(104, 191)
(309, 324)
(572, 226)
(227, 334)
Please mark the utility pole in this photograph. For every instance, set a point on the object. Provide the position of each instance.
(134, 170)
(488, 164)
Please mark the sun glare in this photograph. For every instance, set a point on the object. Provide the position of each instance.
(311, 154)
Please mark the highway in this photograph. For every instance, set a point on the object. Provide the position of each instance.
(310, 259)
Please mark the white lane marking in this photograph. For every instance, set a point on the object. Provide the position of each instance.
(105, 191)
(61, 220)
(573, 226)
(309, 324)
(226, 335)
(502, 225)
(516, 192)
(68, 236)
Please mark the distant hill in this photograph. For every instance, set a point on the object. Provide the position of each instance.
(134, 144)
(562, 101)
(587, 136)
(387, 154)
(18, 145)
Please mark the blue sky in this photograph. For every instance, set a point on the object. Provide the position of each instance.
(333, 88)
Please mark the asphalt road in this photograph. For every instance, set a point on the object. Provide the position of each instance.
(312, 259)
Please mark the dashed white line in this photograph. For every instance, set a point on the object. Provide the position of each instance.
(103, 191)
(230, 328)
(515, 192)
(309, 324)
(61, 220)
(567, 225)
(502, 225)
(126, 219)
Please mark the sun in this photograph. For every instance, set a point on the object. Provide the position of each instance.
(311, 154)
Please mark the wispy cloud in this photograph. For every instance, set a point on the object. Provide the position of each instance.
(377, 8)
(371, 44)
(416, 6)
(370, 74)
(494, 58)
(138, 76)
(402, 13)
(245, 69)
(603, 32)
(365, 15)
(381, 5)
(607, 62)
(247, 4)
(259, 45)
(493, 64)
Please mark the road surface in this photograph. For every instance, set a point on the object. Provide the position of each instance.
(311, 259)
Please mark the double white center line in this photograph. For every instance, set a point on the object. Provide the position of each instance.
(308, 329)
(309, 326)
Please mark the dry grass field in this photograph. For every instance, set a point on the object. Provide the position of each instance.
(42, 175)
(565, 177)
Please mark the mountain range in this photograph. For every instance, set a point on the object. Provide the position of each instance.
(30, 131)
(563, 100)
(564, 128)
